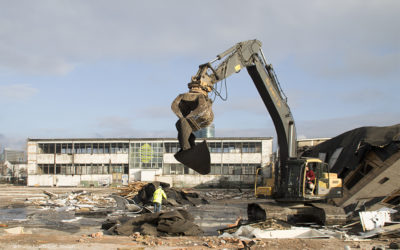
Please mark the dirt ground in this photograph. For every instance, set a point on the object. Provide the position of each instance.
(44, 234)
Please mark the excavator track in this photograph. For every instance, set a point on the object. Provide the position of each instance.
(330, 214)
(319, 213)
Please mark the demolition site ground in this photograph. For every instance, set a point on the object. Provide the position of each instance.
(60, 218)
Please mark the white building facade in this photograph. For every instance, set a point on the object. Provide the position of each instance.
(97, 162)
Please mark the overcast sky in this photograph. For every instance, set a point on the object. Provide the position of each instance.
(112, 68)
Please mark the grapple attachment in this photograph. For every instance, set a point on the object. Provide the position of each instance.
(197, 158)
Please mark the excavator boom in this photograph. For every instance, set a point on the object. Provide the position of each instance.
(248, 54)
(290, 173)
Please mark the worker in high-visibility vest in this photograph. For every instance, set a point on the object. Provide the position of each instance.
(158, 195)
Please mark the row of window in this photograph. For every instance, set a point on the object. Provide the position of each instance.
(82, 169)
(83, 148)
(222, 147)
(115, 148)
(216, 169)
(169, 169)
(170, 147)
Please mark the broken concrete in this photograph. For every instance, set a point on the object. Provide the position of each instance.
(374, 219)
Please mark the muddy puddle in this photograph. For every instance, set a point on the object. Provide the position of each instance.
(14, 214)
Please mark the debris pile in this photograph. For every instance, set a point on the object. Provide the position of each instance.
(132, 189)
(378, 224)
(78, 201)
(176, 197)
(263, 225)
(371, 224)
(234, 194)
(171, 223)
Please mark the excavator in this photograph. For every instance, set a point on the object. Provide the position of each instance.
(289, 183)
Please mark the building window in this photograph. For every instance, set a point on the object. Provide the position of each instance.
(82, 169)
(228, 147)
(146, 155)
(119, 148)
(107, 147)
(44, 169)
(95, 148)
(78, 148)
(171, 147)
(66, 148)
(215, 147)
(175, 169)
(384, 179)
(335, 156)
(46, 148)
(251, 147)
(88, 148)
(215, 169)
(58, 148)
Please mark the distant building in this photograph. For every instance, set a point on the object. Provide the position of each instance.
(13, 155)
(96, 162)
(304, 145)
(310, 142)
(13, 166)
(207, 132)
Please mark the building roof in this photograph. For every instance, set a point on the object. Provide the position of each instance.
(18, 162)
(145, 139)
(356, 143)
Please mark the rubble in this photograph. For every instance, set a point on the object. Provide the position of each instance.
(126, 229)
(263, 225)
(392, 231)
(97, 235)
(16, 230)
(171, 223)
(367, 160)
(374, 219)
(131, 190)
(78, 201)
(175, 197)
(233, 194)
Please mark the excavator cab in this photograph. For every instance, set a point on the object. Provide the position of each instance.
(325, 185)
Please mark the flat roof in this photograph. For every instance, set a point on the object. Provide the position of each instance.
(145, 139)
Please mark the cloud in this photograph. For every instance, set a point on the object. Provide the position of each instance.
(17, 92)
(253, 106)
(363, 97)
(156, 112)
(253, 132)
(363, 62)
(16, 143)
(122, 127)
(114, 122)
(52, 37)
(336, 126)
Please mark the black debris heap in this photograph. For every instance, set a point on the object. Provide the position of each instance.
(172, 223)
(176, 197)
